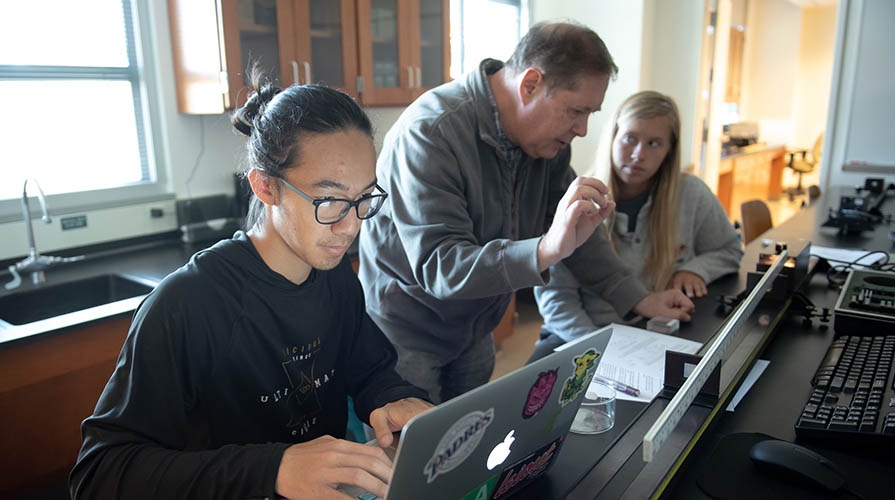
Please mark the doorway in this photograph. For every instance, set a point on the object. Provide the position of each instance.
(767, 68)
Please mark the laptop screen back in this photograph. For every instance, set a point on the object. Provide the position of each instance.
(494, 440)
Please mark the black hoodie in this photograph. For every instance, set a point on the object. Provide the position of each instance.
(226, 364)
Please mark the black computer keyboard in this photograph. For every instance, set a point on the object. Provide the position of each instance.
(853, 395)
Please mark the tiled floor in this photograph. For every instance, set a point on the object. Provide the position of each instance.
(514, 351)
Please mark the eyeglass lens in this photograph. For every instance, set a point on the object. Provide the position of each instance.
(335, 210)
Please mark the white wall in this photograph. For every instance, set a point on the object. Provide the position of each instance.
(862, 101)
(814, 74)
(655, 44)
(769, 69)
(620, 25)
(672, 43)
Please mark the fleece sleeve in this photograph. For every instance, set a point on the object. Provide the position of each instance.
(561, 305)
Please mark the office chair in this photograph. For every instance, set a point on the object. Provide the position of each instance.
(802, 164)
(813, 194)
(756, 219)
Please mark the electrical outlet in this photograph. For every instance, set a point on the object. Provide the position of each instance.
(74, 222)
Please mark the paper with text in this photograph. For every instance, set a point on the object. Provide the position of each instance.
(636, 357)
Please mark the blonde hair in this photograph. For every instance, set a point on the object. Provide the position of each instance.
(665, 184)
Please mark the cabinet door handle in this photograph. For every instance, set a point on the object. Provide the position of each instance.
(295, 77)
(410, 77)
(307, 72)
(419, 77)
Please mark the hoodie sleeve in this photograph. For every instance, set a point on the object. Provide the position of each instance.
(372, 379)
(561, 305)
(133, 444)
(716, 245)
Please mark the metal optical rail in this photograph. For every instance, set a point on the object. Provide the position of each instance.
(679, 404)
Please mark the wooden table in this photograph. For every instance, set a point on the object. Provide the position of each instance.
(754, 171)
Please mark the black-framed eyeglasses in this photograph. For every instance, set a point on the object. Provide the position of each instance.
(332, 210)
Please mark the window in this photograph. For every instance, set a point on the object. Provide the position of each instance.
(484, 28)
(74, 103)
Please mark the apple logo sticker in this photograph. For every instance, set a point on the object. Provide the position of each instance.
(500, 452)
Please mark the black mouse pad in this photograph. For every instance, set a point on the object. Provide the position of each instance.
(729, 474)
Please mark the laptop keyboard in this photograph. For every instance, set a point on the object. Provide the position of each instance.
(853, 395)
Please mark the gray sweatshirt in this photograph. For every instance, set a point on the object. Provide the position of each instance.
(710, 247)
(460, 231)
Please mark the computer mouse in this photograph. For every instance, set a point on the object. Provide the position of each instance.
(797, 463)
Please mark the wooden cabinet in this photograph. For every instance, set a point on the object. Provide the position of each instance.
(403, 49)
(294, 41)
(325, 42)
(47, 387)
(754, 173)
(393, 49)
(725, 185)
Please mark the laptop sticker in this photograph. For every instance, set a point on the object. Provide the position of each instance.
(527, 470)
(458, 443)
(585, 367)
(551, 422)
(539, 393)
(500, 452)
(483, 491)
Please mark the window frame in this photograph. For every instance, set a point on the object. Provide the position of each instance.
(154, 185)
(458, 7)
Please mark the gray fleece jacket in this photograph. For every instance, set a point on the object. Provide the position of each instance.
(710, 247)
(460, 230)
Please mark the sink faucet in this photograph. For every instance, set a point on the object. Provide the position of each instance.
(34, 263)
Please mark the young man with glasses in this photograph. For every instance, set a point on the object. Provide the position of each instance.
(484, 201)
(234, 378)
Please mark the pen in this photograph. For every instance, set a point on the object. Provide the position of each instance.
(627, 389)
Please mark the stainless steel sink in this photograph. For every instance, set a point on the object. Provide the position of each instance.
(49, 301)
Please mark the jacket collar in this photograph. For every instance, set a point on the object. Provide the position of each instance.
(490, 130)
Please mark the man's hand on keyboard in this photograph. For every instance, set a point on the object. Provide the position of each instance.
(314, 469)
(391, 418)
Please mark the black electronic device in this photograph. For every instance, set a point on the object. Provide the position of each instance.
(866, 304)
(853, 215)
(851, 398)
(797, 463)
(796, 270)
(854, 205)
(874, 185)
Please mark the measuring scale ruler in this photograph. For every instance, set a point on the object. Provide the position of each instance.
(681, 401)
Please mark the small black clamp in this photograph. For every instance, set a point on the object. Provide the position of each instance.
(802, 306)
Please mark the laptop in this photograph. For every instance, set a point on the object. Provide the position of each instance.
(491, 442)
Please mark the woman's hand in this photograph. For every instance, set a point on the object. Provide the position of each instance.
(690, 283)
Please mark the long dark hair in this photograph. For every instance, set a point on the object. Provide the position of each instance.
(276, 120)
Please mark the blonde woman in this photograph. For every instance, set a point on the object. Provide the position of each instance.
(668, 227)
